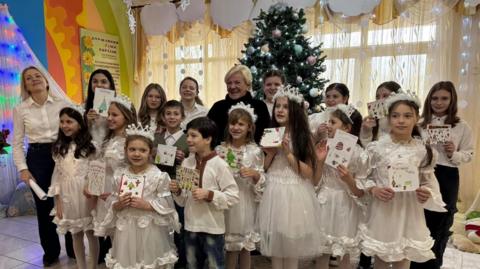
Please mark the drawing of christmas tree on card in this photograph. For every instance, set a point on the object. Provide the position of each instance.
(102, 100)
(132, 184)
(187, 178)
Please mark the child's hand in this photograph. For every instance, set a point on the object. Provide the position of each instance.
(179, 156)
(123, 201)
(250, 172)
(200, 194)
(270, 151)
(368, 123)
(422, 194)
(383, 194)
(87, 193)
(174, 187)
(344, 173)
(25, 176)
(449, 148)
(59, 210)
(140, 203)
(104, 196)
(286, 145)
(321, 131)
(92, 115)
(321, 151)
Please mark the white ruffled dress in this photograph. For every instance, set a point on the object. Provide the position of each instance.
(68, 181)
(396, 230)
(340, 211)
(287, 214)
(144, 239)
(240, 232)
(114, 157)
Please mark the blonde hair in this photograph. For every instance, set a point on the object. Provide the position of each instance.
(23, 89)
(243, 70)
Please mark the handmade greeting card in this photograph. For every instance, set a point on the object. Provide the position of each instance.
(187, 178)
(439, 134)
(340, 148)
(377, 109)
(272, 137)
(165, 155)
(132, 184)
(102, 100)
(96, 177)
(403, 177)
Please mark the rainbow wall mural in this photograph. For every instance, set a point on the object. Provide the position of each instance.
(63, 20)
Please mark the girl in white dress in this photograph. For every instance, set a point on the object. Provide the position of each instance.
(71, 153)
(144, 216)
(372, 128)
(287, 214)
(151, 105)
(395, 232)
(245, 160)
(120, 114)
(339, 197)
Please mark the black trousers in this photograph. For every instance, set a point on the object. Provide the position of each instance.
(40, 164)
(439, 223)
(179, 240)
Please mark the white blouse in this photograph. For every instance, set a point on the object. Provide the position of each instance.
(38, 123)
(197, 112)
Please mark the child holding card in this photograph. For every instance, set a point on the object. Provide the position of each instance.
(395, 231)
(142, 208)
(245, 160)
(215, 192)
(338, 194)
(287, 214)
(173, 136)
(335, 93)
(454, 143)
(71, 152)
(99, 78)
(121, 113)
(375, 125)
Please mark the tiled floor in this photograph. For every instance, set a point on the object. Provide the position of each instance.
(20, 249)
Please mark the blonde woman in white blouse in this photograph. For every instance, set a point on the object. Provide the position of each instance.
(440, 108)
(36, 119)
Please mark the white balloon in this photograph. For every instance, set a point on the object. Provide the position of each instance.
(352, 8)
(462, 104)
(230, 13)
(194, 12)
(158, 19)
(299, 3)
(260, 5)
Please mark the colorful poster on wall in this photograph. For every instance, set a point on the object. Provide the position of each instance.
(99, 50)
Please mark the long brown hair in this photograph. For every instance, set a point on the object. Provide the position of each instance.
(393, 87)
(427, 113)
(144, 113)
(416, 131)
(129, 115)
(197, 99)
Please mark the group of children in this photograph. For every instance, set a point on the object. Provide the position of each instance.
(287, 201)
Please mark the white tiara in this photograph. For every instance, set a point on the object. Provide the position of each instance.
(402, 95)
(138, 129)
(347, 110)
(123, 100)
(292, 93)
(245, 107)
(78, 108)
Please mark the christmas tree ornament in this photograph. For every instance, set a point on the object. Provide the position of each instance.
(250, 50)
(253, 69)
(265, 48)
(276, 33)
(311, 60)
(304, 29)
(313, 92)
(299, 79)
(297, 49)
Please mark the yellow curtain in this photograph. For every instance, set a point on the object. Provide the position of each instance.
(415, 49)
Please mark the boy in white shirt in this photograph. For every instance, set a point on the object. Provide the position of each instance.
(215, 192)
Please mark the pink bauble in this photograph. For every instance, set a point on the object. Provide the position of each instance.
(276, 33)
(311, 60)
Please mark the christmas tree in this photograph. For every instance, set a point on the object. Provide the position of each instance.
(279, 43)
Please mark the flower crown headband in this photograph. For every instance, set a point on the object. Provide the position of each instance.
(123, 100)
(402, 96)
(78, 108)
(348, 110)
(292, 93)
(245, 107)
(138, 129)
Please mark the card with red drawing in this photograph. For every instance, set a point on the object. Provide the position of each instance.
(272, 137)
(377, 109)
(340, 148)
(403, 177)
(132, 184)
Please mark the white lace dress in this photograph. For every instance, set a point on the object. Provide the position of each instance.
(68, 181)
(144, 239)
(114, 157)
(287, 213)
(98, 129)
(240, 232)
(340, 212)
(396, 230)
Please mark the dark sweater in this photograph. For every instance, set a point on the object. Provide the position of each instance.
(219, 114)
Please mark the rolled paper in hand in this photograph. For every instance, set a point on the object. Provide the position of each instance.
(37, 190)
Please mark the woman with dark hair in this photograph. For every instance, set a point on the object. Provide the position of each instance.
(192, 104)
(97, 124)
(36, 118)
